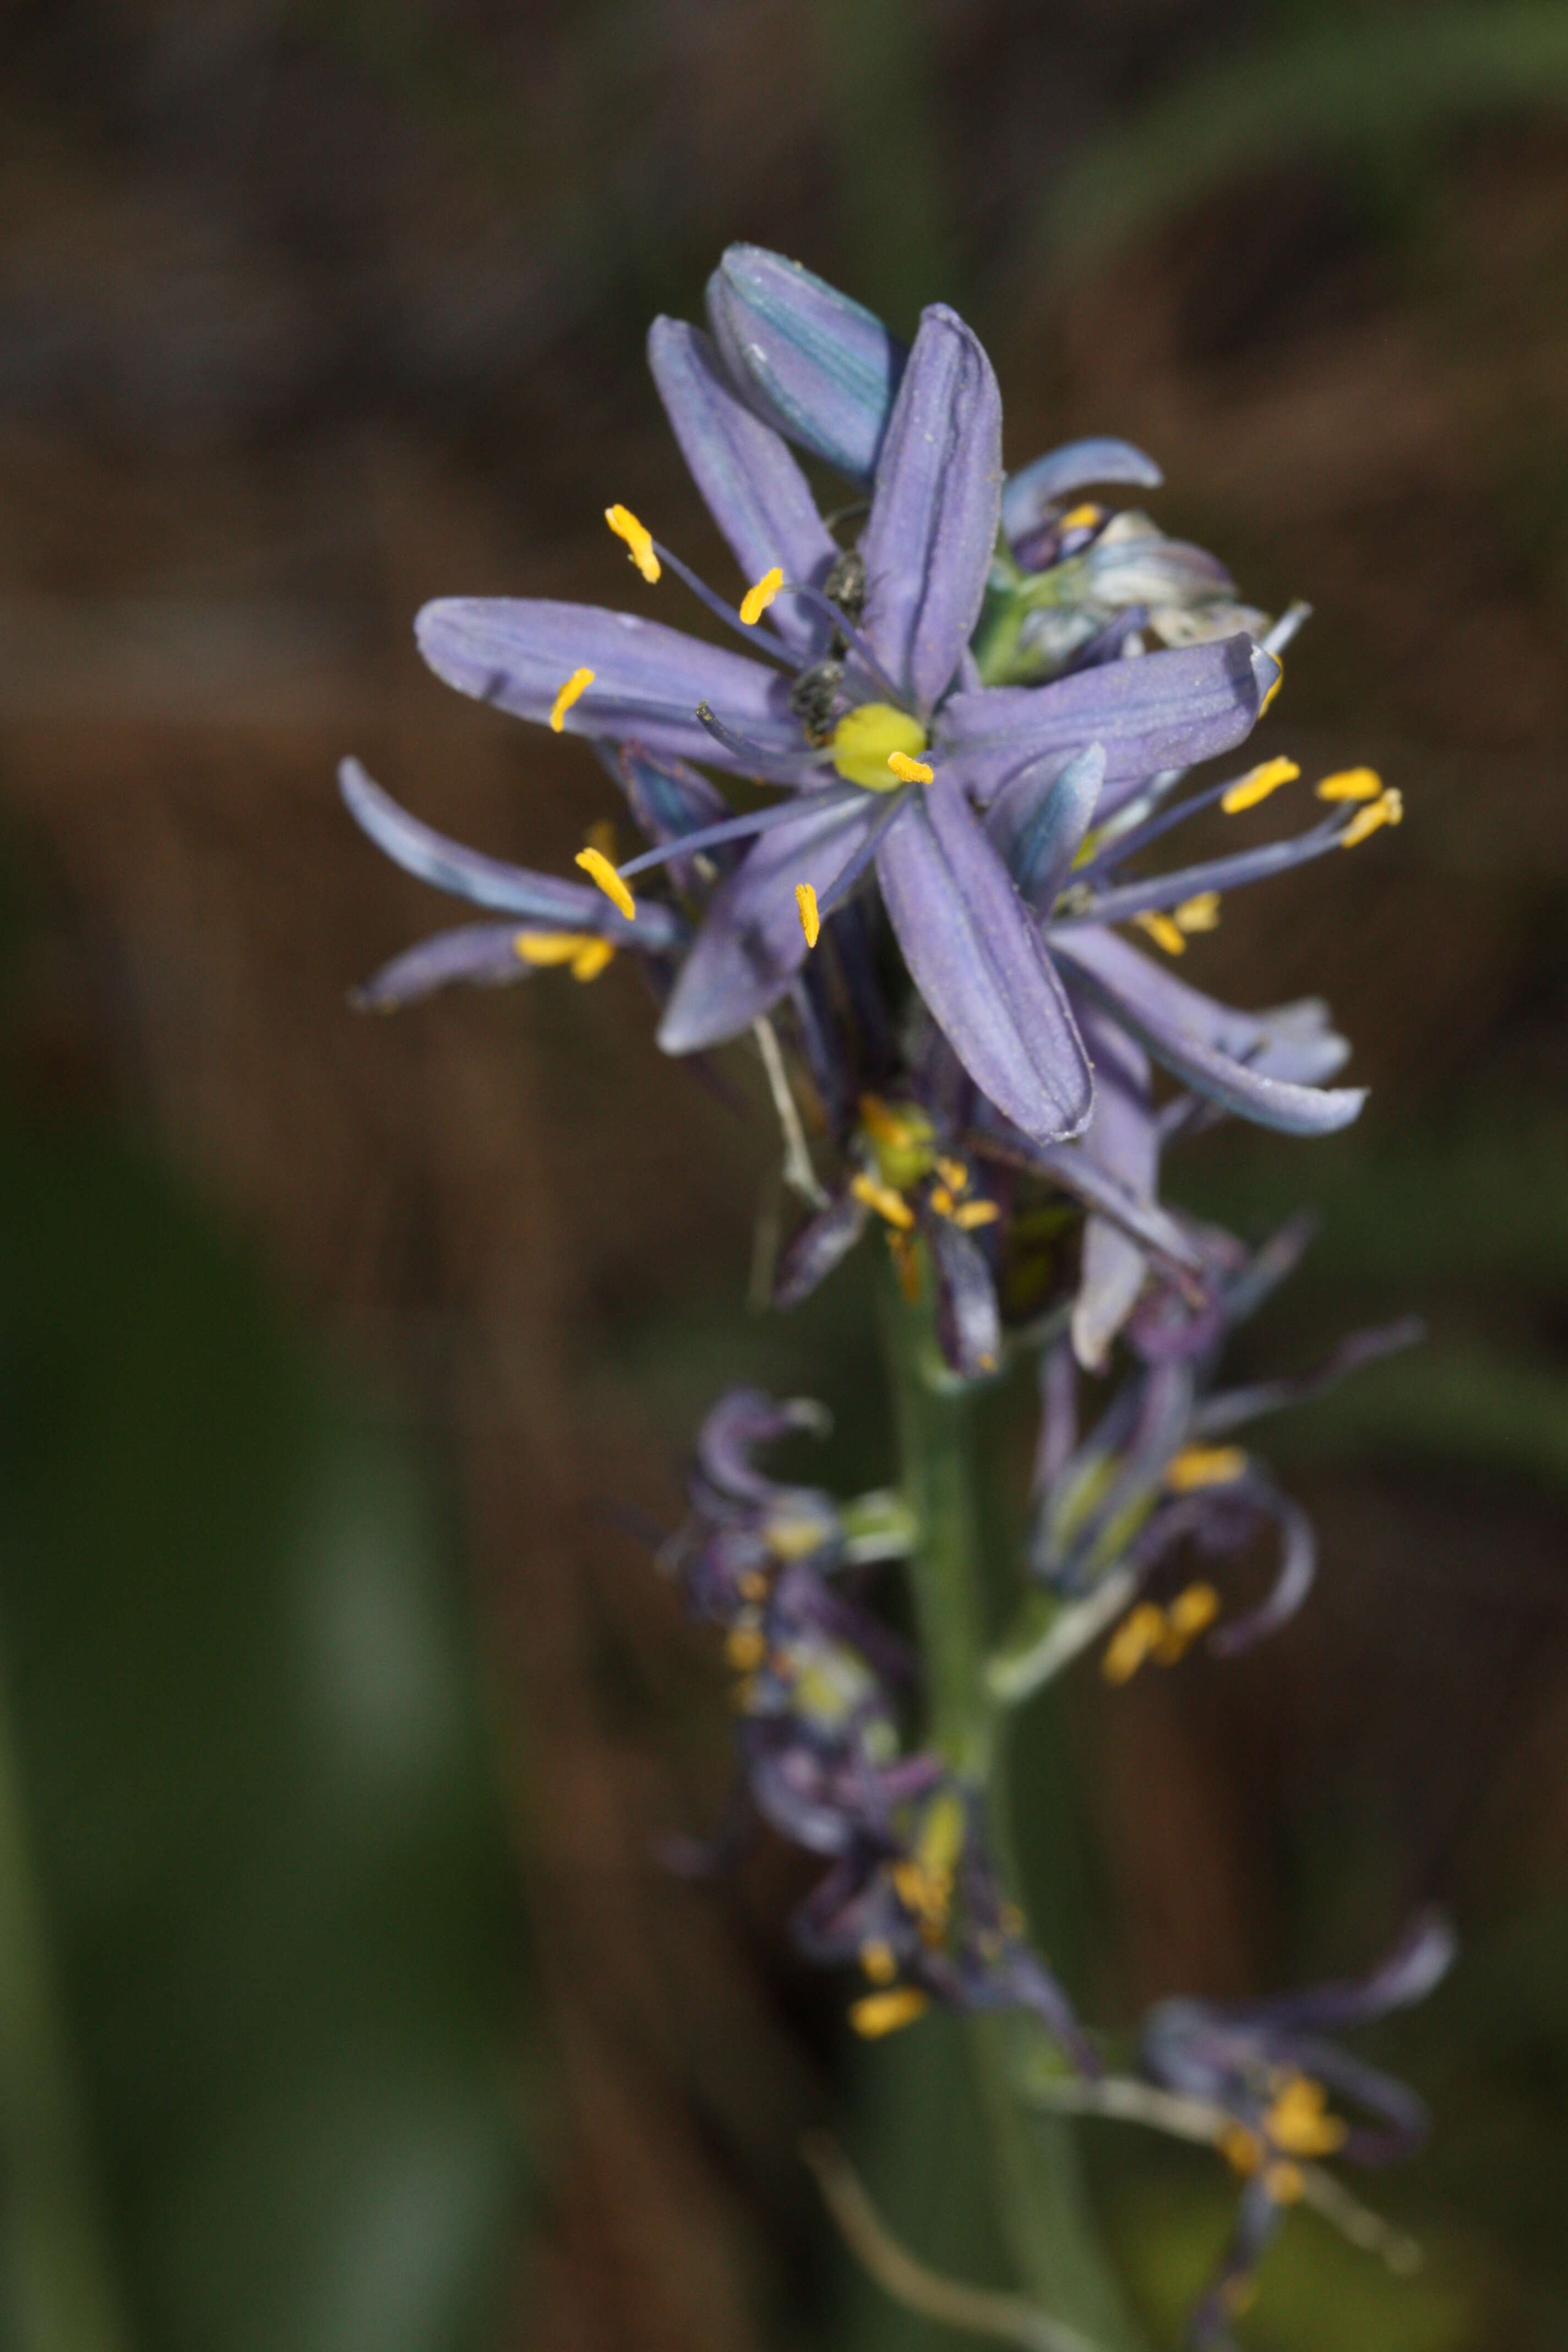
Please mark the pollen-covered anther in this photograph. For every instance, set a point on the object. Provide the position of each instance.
(953, 1173)
(890, 1205)
(1387, 809)
(1256, 785)
(1162, 931)
(1082, 518)
(810, 920)
(1189, 1614)
(598, 868)
(1299, 2122)
(760, 595)
(745, 1648)
(876, 1959)
(576, 686)
(876, 2013)
(1136, 1639)
(1204, 1465)
(585, 951)
(907, 771)
(638, 539)
(1200, 913)
(1351, 785)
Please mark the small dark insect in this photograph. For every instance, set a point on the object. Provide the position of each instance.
(845, 584)
(812, 696)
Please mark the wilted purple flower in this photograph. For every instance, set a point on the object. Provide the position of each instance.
(1159, 1470)
(1271, 2068)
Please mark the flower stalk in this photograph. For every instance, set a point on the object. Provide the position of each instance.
(1041, 2198)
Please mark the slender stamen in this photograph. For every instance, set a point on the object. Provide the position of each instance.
(598, 868)
(1128, 844)
(845, 881)
(575, 687)
(638, 539)
(765, 640)
(907, 771)
(851, 635)
(741, 828)
(758, 597)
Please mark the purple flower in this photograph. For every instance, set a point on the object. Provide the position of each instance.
(1270, 2067)
(866, 689)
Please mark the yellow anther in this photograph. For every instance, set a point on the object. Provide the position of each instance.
(576, 686)
(753, 1585)
(971, 1214)
(585, 951)
(889, 1205)
(638, 539)
(745, 1648)
(876, 2013)
(1198, 914)
(757, 599)
(1279, 682)
(1204, 1465)
(876, 1959)
(907, 771)
(592, 957)
(953, 1173)
(1242, 2150)
(1082, 518)
(1284, 2183)
(1185, 1619)
(926, 1891)
(598, 868)
(865, 741)
(1139, 1634)
(1162, 931)
(1388, 809)
(794, 1539)
(942, 1838)
(810, 920)
(942, 1200)
(1256, 785)
(1351, 785)
(1299, 2122)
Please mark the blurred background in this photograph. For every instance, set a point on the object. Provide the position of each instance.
(343, 2002)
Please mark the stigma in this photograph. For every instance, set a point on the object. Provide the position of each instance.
(638, 539)
(866, 740)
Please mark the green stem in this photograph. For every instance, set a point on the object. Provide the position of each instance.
(57, 2293)
(1043, 2204)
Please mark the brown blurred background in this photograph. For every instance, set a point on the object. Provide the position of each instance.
(309, 313)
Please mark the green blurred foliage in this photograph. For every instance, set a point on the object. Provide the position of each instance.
(256, 1952)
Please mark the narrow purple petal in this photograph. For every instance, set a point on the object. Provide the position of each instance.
(750, 944)
(483, 954)
(1232, 1407)
(822, 1243)
(932, 532)
(1200, 1041)
(974, 952)
(542, 899)
(1122, 1141)
(968, 1320)
(1418, 1962)
(816, 366)
(755, 491)
(518, 651)
(1039, 819)
(1030, 494)
(1162, 710)
(1292, 1581)
(743, 1420)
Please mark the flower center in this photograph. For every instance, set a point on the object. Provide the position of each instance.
(867, 737)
